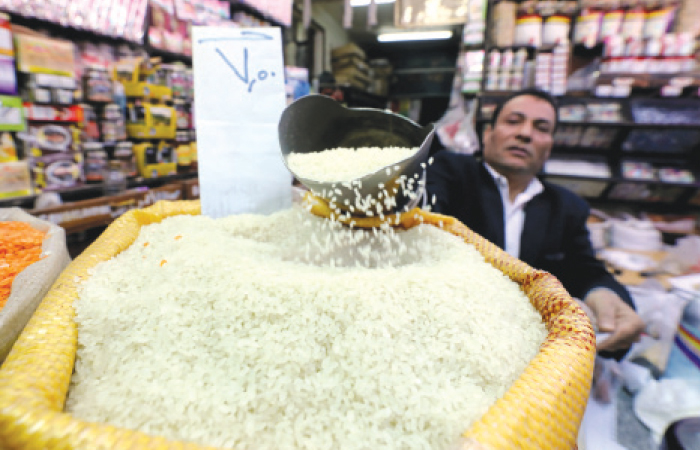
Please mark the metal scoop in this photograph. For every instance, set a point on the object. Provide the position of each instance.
(316, 123)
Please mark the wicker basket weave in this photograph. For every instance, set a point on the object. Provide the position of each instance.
(542, 410)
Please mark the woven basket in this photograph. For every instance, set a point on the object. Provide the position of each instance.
(542, 410)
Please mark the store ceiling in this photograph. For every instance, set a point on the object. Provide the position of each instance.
(360, 33)
(366, 36)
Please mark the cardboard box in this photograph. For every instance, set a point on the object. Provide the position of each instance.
(348, 49)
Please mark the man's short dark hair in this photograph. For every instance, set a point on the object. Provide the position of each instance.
(534, 92)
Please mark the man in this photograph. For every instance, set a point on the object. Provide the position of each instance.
(542, 224)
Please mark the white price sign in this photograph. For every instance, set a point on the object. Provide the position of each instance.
(240, 96)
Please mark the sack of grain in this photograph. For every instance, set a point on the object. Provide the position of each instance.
(542, 408)
(32, 284)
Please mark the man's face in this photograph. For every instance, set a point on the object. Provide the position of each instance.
(521, 140)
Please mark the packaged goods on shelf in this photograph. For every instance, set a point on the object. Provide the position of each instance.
(36, 54)
(475, 23)
(57, 170)
(588, 27)
(676, 175)
(583, 187)
(472, 70)
(11, 114)
(112, 125)
(155, 159)
(97, 85)
(638, 170)
(95, 161)
(124, 152)
(577, 167)
(116, 18)
(645, 192)
(146, 121)
(503, 23)
(167, 31)
(661, 141)
(142, 79)
(15, 179)
(8, 149)
(296, 83)
(556, 30)
(528, 30)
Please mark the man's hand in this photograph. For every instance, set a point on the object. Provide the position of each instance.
(614, 316)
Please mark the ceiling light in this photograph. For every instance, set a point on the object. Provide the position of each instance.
(415, 36)
(367, 2)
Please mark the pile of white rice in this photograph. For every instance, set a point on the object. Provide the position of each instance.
(345, 164)
(231, 333)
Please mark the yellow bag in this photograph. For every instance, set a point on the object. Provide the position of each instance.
(542, 410)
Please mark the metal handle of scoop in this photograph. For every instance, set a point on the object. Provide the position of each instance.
(316, 123)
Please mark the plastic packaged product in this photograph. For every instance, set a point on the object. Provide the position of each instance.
(492, 80)
(504, 81)
(507, 59)
(57, 171)
(134, 29)
(587, 27)
(614, 47)
(95, 161)
(556, 30)
(51, 138)
(183, 115)
(658, 22)
(97, 85)
(503, 23)
(182, 149)
(8, 149)
(15, 179)
(62, 96)
(676, 175)
(494, 59)
(652, 55)
(519, 59)
(124, 152)
(114, 180)
(113, 124)
(612, 24)
(638, 170)
(516, 80)
(633, 23)
(91, 130)
(528, 30)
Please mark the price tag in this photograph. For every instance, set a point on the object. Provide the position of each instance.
(239, 80)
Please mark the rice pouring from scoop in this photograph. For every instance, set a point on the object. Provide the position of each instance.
(345, 170)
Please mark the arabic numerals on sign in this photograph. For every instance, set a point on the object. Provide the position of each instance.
(242, 69)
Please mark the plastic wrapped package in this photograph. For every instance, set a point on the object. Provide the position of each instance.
(30, 286)
(542, 409)
(456, 130)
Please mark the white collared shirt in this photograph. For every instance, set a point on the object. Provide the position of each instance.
(514, 212)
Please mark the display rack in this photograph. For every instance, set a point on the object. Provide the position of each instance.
(73, 196)
(626, 144)
(634, 152)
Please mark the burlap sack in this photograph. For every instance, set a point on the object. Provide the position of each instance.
(32, 284)
(541, 410)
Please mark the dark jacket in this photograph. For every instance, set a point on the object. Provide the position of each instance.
(555, 237)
